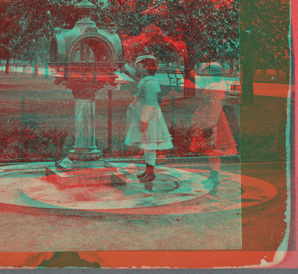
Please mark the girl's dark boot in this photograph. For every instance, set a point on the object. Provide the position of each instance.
(141, 175)
(214, 177)
(208, 180)
(149, 177)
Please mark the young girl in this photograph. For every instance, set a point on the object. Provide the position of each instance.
(212, 133)
(147, 128)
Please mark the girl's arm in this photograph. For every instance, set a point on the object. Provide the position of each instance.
(214, 108)
(144, 91)
(129, 71)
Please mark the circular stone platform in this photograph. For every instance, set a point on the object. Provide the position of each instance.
(174, 191)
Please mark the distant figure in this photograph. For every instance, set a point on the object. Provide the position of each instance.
(146, 127)
(212, 133)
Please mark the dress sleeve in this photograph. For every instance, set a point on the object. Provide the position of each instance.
(129, 71)
(141, 90)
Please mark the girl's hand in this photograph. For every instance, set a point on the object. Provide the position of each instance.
(208, 132)
(143, 126)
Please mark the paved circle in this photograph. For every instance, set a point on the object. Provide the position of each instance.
(175, 191)
(165, 190)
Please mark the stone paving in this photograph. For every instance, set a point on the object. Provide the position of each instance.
(245, 213)
(178, 212)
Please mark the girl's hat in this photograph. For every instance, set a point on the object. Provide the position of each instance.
(143, 57)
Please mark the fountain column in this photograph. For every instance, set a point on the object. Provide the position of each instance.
(84, 149)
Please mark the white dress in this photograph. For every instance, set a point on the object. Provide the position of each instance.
(146, 109)
(210, 115)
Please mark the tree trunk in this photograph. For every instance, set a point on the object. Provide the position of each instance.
(189, 83)
(24, 67)
(198, 67)
(247, 95)
(16, 66)
(189, 79)
(237, 67)
(231, 66)
(46, 69)
(7, 64)
(35, 67)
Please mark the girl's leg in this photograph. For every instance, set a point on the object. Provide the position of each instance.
(214, 163)
(215, 167)
(150, 157)
(143, 174)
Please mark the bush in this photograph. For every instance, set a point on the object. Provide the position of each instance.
(34, 144)
(40, 144)
(182, 140)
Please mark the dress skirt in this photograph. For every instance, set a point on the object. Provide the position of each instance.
(217, 142)
(156, 136)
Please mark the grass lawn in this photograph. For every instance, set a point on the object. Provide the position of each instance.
(49, 114)
(49, 111)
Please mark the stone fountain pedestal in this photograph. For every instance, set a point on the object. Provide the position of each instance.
(84, 60)
(85, 154)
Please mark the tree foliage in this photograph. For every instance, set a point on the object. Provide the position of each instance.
(30, 24)
(210, 29)
(266, 25)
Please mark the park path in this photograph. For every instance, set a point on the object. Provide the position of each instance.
(263, 89)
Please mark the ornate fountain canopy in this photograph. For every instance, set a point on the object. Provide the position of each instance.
(151, 11)
(85, 6)
(86, 53)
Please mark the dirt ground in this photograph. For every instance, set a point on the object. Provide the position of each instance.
(263, 146)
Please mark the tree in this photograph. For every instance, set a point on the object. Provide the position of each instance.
(30, 25)
(6, 34)
(264, 39)
(209, 29)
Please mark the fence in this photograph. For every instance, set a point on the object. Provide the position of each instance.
(27, 68)
(178, 128)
